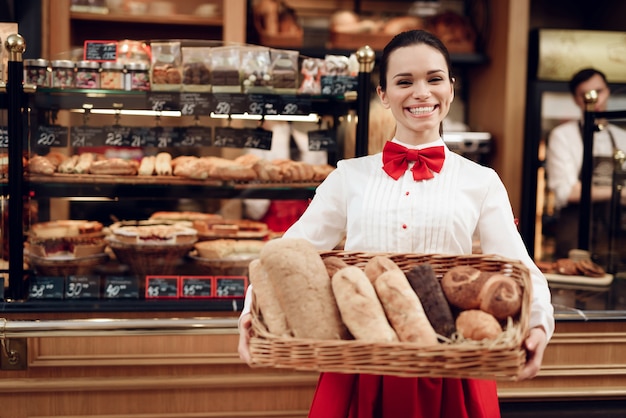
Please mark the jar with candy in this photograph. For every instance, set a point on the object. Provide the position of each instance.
(137, 76)
(36, 72)
(87, 75)
(62, 73)
(112, 75)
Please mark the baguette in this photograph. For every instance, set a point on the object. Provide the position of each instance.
(377, 265)
(163, 164)
(424, 282)
(360, 308)
(273, 316)
(404, 309)
(146, 167)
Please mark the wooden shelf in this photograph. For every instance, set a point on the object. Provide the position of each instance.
(177, 19)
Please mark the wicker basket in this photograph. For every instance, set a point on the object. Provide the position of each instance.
(236, 266)
(46, 266)
(500, 359)
(150, 259)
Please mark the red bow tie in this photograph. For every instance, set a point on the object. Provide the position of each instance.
(396, 160)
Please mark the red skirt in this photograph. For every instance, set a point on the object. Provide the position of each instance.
(368, 396)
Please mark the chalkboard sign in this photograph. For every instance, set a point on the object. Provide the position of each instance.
(258, 138)
(121, 287)
(229, 103)
(42, 287)
(161, 287)
(194, 136)
(4, 137)
(100, 51)
(86, 136)
(196, 286)
(51, 136)
(296, 104)
(322, 140)
(82, 287)
(230, 286)
(195, 104)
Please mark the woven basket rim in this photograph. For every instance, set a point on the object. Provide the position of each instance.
(499, 359)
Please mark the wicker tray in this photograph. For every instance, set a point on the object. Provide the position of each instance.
(500, 359)
(234, 266)
(47, 266)
(150, 259)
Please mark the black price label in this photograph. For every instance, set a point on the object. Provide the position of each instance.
(82, 287)
(193, 136)
(196, 286)
(338, 85)
(257, 138)
(86, 136)
(159, 102)
(42, 287)
(323, 139)
(264, 104)
(137, 136)
(100, 51)
(228, 137)
(52, 135)
(230, 286)
(161, 137)
(296, 104)
(116, 136)
(192, 104)
(229, 103)
(4, 137)
(161, 287)
(121, 287)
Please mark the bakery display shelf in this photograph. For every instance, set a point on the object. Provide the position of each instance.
(457, 58)
(605, 280)
(151, 19)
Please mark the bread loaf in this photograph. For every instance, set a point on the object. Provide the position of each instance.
(146, 168)
(377, 265)
(462, 284)
(475, 324)
(163, 164)
(424, 282)
(404, 309)
(501, 296)
(265, 297)
(303, 288)
(333, 265)
(361, 311)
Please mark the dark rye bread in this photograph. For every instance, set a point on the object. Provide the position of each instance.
(425, 284)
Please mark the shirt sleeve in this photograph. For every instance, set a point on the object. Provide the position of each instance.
(499, 235)
(562, 165)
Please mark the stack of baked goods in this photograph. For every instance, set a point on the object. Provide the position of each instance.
(434, 312)
(215, 226)
(68, 246)
(226, 257)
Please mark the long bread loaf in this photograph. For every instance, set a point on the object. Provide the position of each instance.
(404, 309)
(273, 315)
(303, 288)
(360, 308)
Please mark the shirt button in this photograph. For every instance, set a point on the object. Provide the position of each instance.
(406, 193)
(404, 226)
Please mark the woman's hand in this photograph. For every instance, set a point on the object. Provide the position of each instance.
(245, 322)
(535, 346)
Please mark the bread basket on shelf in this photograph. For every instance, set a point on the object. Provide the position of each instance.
(499, 359)
(150, 259)
(69, 266)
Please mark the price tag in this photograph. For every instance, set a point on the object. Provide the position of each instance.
(228, 137)
(192, 104)
(86, 136)
(161, 287)
(161, 137)
(195, 136)
(159, 102)
(323, 139)
(121, 287)
(42, 287)
(257, 138)
(230, 286)
(52, 136)
(116, 136)
(100, 51)
(338, 85)
(264, 104)
(137, 136)
(196, 287)
(296, 104)
(4, 137)
(82, 287)
(229, 103)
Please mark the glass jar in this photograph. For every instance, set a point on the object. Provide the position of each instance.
(87, 75)
(137, 76)
(112, 75)
(62, 73)
(36, 72)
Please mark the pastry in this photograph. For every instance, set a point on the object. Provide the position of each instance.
(114, 166)
(462, 284)
(404, 308)
(360, 307)
(589, 268)
(424, 282)
(567, 266)
(163, 164)
(38, 164)
(65, 229)
(501, 296)
(84, 162)
(155, 234)
(146, 167)
(477, 325)
(68, 165)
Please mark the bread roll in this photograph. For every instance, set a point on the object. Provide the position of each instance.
(41, 165)
(163, 164)
(462, 284)
(265, 297)
(303, 288)
(84, 162)
(146, 168)
(501, 296)
(404, 309)
(377, 265)
(114, 166)
(67, 166)
(361, 311)
(475, 324)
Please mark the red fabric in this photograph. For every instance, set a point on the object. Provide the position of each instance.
(368, 396)
(396, 160)
(281, 214)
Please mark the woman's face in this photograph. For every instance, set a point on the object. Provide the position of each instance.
(419, 92)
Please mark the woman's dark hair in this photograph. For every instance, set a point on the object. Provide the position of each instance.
(408, 38)
(582, 76)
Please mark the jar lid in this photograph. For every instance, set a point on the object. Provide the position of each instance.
(111, 65)
(134, 66)
(87, 64)
(39, 62)
(63, 63)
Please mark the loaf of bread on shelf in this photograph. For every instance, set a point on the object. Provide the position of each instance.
(114, 166)
(155, 234)
(84, 163)
(38, 164)
(68, 166)
(163, 164)
(147, 166)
